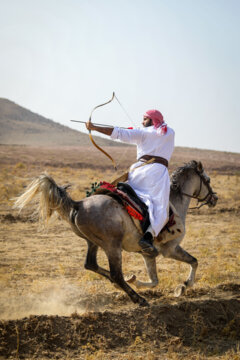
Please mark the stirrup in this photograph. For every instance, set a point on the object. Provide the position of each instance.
(147, 247)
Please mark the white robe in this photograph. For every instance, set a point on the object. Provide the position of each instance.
(151, 182)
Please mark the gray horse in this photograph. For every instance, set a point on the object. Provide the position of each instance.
(102, 221)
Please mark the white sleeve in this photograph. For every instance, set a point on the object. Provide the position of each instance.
(132, 136)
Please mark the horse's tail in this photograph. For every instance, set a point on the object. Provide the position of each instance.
(50, 197)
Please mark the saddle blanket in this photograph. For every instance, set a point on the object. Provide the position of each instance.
(130, 205)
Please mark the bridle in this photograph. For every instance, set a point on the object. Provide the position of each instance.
(209, 198)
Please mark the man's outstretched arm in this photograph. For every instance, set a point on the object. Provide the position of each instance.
(102, 129)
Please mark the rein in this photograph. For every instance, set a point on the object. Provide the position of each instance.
(207, 197)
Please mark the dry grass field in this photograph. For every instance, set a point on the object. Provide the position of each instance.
(52, 308)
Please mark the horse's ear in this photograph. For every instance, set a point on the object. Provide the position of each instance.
(199, 166)
(65, 187)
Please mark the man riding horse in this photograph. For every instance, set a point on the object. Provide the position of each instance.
(155, 144)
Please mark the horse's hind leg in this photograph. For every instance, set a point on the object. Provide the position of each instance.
(180, 254)
(91, 261)
(115, 274)
(115, 264)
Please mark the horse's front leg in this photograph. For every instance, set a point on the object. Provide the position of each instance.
(180, 254)
(152, 273)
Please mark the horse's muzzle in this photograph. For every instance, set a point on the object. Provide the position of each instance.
(213, 200)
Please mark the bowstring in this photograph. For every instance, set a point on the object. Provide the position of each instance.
(129, 117)
(125, 111)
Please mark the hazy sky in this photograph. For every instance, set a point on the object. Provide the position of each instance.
(60, 58)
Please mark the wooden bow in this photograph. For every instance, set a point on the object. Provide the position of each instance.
(90, 134)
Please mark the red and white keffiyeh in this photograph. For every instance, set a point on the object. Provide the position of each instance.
(158, 121)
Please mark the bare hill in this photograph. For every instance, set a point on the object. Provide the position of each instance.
(19, 126)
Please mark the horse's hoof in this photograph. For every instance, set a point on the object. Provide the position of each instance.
(143, 302)
(180, 290)
(131, 279)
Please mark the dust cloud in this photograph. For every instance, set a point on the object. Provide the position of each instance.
(58, 299)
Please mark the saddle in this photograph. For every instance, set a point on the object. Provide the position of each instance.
(135, 207)
(133, 200)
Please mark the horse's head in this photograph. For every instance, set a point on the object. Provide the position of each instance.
(192, 181)
(203, 192)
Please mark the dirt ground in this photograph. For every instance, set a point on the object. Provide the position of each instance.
(51, 307)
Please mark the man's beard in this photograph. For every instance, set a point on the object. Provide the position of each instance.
(148, 123)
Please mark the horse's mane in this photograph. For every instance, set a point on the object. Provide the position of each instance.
(179, 175)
